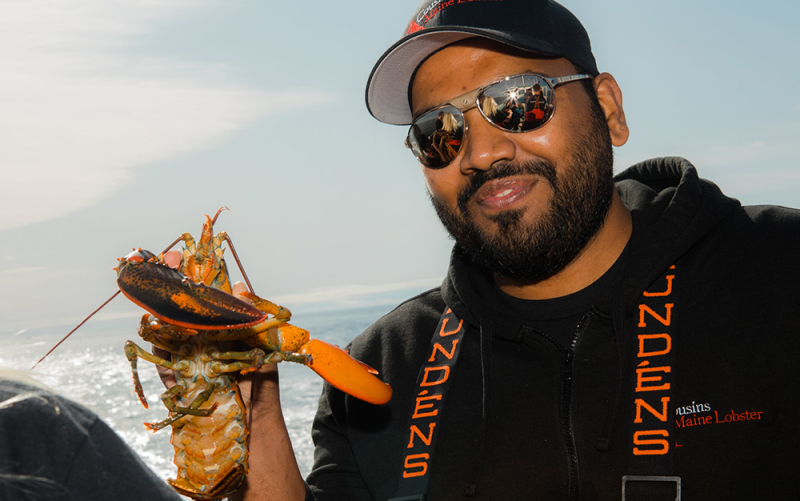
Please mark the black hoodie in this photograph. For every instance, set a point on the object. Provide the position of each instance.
(532, 415)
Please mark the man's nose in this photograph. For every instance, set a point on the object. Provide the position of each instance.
(484, 144)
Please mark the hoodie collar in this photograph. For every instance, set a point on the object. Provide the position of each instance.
(672, 208)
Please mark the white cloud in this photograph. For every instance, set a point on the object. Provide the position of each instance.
(78, 115)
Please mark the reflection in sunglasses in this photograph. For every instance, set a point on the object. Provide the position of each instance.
(519, 103)
(446, 139)
(489, 106)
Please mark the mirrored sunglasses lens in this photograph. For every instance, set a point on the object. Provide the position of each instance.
(435, 137)
(519, 104)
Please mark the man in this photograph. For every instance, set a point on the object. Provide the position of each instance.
(593, 339)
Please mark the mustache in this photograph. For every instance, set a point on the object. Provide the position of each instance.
(499, 170)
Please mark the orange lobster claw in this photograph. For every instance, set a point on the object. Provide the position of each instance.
(172, 297)
(344, 372)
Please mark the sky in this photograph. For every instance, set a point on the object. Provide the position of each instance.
(124, 122)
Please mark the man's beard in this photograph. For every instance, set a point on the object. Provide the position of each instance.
(581, 198)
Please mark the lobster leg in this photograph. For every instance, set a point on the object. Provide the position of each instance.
(267, 306)
(161, 424)
(289, 356)
(192, 410)
(251, 361)
(154, 332)
(133, 353)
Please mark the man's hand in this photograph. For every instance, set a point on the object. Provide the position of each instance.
(167, 375)
(274, 474)
(260, 394)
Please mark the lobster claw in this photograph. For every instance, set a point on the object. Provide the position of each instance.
(172, 297)
(345, 373)
(333, 364)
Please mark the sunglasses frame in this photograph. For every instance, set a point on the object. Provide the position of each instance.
(469, 100)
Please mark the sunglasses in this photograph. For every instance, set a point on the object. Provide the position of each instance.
(520, 103)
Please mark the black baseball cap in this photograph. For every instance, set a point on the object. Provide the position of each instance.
(543, 27)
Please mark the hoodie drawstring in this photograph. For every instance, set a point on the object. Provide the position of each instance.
(618, 312)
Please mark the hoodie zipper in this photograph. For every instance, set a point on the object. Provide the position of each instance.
(566, 409)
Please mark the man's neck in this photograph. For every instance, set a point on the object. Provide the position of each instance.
(594, 260)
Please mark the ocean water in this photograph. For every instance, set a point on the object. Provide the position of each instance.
(91, 368)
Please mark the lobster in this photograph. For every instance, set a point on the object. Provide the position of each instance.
(196, 316)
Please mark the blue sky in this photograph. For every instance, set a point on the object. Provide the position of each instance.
(125, 121)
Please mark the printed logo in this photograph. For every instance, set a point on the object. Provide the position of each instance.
(653, 429)
(692, 409)
(703, 414)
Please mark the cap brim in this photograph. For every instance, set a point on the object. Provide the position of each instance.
(387, 93)
(387, 87)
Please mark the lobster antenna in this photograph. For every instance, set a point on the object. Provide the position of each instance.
(214, 221)
(233, 251)
(239, 263)
(98, 309)
(76, 328)
(172, 244)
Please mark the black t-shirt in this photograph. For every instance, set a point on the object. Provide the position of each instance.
(560, 317)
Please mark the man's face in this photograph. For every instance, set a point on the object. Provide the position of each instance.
(524, 205)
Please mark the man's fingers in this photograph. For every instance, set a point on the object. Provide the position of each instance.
(167, 375)
(267, 372)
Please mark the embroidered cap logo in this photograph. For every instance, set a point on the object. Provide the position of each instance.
(430, 10)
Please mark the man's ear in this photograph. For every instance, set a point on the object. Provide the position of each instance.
(610, 97)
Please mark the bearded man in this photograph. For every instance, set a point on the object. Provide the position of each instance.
(595, 337)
